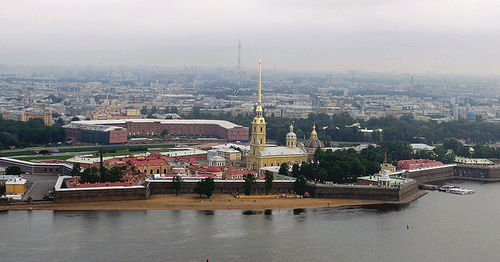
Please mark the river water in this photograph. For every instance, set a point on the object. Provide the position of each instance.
(442, 227)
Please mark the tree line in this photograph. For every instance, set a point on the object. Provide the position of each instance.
(339, 127)
(97, 175)
(31, 133)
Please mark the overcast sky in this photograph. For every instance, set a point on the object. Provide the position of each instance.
(461, 36)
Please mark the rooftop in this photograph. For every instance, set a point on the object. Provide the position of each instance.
(222, 123)
(282, 150)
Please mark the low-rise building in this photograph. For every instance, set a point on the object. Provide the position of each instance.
(15, 186)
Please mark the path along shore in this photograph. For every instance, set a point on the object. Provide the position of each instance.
(194, 202)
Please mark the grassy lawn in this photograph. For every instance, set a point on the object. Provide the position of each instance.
(30, 158)
(18, 153)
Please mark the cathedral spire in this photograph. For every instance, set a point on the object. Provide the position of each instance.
(259, 95)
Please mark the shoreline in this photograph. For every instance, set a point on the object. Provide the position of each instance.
(194, 202)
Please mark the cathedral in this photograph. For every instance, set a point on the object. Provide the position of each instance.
(261, 155)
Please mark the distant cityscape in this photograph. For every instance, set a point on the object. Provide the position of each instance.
(96, 93)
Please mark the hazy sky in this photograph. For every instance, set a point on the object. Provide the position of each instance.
(461, 36)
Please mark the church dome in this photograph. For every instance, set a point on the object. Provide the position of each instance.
(314, 142)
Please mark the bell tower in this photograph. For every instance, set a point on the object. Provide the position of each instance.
(258, 137)
(291, 139)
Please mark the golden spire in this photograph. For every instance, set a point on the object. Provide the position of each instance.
(314, 134)
(259, 95)
(258, 109)
(291, 127)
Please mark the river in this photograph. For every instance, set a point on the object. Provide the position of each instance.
(442, 227)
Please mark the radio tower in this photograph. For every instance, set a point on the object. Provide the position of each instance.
(239, 63)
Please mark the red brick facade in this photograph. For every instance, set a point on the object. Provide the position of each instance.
(417, 164)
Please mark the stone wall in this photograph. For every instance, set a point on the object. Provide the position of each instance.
(225, 186)
(101, 194)
(478, 172)
(365, 192)
(36, 168)
(430, 174)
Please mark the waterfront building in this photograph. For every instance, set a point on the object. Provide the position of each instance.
(261, 155)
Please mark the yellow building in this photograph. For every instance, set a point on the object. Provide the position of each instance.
(46, 117)
(15, 186)
(259, 154)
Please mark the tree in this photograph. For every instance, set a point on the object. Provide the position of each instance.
(205, 187)
(59, 122)
(177, 184)
(283, 169)
(299, 186)
(295, 170)
(269, 181)
(248, 185)
(164, 133)
(76, 170)
(115, 175)
(13, 171)
(90, 175)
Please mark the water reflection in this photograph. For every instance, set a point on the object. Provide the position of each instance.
(252, 212)
(207, 212)
(298, 211)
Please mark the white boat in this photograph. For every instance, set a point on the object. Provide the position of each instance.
(460, 191)
(447, 188)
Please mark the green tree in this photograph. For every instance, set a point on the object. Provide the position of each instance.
(177, 184)
(205, 187)
(13, 171)
(249, 182)
(295, 170)
(59, 122)
(299, 186)
(76, 170)
(90, 175)
(115, 174)
(269, 181)
(164, 133)
(283, 169)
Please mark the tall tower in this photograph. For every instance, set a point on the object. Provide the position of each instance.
(411, 86)
(291, 139)
(258, 137)
(239, 63)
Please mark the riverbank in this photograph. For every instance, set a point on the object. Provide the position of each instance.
(194, 202)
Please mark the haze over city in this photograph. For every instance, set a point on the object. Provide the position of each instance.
(342, 130)
(457, 37)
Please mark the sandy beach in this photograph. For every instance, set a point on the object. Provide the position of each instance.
(194, 202)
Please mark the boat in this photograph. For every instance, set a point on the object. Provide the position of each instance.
(460, 191)
(447, 188)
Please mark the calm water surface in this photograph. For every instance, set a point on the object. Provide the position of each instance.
(443, 227)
